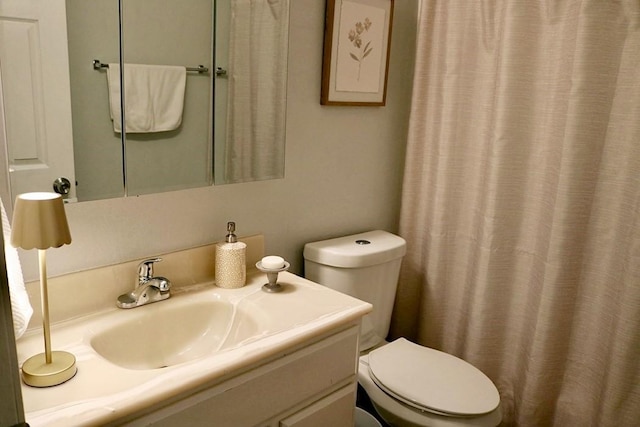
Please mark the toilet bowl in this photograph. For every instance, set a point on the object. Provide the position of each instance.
(408, 384)
(412, 385)
(365, 419)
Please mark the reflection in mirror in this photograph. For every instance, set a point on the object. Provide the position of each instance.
(92, 32)
(177, 33)
(249, 140)
(251, 89)
(36, 110)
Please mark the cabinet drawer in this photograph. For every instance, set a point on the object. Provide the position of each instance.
(335, 410)
(271, 389)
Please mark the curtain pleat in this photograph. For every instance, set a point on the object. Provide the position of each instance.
(521, 203)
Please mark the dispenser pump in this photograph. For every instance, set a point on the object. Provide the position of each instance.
(231, 228)
(230, 267)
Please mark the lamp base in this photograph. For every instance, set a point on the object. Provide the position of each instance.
(36, 372)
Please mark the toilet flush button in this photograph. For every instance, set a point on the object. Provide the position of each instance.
(363, 242)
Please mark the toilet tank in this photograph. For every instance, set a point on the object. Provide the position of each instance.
(365, 266)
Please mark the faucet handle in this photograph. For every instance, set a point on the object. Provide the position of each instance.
(145, 269)
(164, 284)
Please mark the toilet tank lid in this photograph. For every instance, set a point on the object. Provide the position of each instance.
(357, 250)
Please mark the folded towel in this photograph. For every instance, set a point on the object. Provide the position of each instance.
(20, 305)
(154, 97)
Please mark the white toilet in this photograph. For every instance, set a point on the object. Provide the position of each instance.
(408, 384)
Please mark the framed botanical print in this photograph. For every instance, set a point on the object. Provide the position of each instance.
(357, 42)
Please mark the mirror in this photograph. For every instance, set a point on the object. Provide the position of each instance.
(252, 38)
(92, 31)
(178, 32)
(35, 115)
(235, 136)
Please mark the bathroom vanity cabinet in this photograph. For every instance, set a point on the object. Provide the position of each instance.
(313, 384)
(207, 356)
(291, 362)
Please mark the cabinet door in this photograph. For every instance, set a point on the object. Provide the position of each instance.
(335, 410)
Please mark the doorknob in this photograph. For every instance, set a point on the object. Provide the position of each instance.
(61, 185)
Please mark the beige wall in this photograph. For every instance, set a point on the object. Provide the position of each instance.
(343, 173)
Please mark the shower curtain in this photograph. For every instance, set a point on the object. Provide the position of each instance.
(521, 203)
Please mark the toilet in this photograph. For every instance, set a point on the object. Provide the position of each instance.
(408, 384)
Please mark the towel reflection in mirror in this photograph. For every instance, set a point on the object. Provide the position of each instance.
(154, 97)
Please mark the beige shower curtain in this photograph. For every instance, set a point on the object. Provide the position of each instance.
(521, 203)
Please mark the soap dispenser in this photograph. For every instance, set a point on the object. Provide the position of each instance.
(230, 268)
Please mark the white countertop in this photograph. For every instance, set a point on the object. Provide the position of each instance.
(102, 392)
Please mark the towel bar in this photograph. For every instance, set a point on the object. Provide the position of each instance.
(97, 65)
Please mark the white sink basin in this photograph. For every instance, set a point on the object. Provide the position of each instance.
(170, 333)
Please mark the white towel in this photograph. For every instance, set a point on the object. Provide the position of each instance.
(20, 305)
(154, 97)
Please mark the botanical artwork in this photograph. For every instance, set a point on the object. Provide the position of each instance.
(355, 37)
(360, 43)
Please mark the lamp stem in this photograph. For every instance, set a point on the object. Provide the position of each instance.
(51, 367)
(44, 299)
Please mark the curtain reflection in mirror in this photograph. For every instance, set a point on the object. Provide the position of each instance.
(256, 106)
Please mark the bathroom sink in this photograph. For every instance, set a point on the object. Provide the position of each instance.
(132, 361)
(173, 332)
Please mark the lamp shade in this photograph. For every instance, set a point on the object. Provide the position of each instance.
(39, 221)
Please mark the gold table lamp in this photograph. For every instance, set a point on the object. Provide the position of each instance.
(39, 221)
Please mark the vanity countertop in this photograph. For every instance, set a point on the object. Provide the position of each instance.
(102, 392)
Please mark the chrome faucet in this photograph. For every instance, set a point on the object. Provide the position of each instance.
(148, 288)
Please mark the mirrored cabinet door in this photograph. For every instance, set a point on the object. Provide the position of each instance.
(175, 38)
(251, 91)
(93, 34)
(35, 126)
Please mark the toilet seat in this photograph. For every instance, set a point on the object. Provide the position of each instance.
(431, 380)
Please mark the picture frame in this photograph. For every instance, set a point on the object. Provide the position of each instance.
(357, 44)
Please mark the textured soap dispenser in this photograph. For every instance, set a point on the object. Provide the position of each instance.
(231, 269)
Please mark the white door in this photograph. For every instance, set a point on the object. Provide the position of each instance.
(34, 73)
